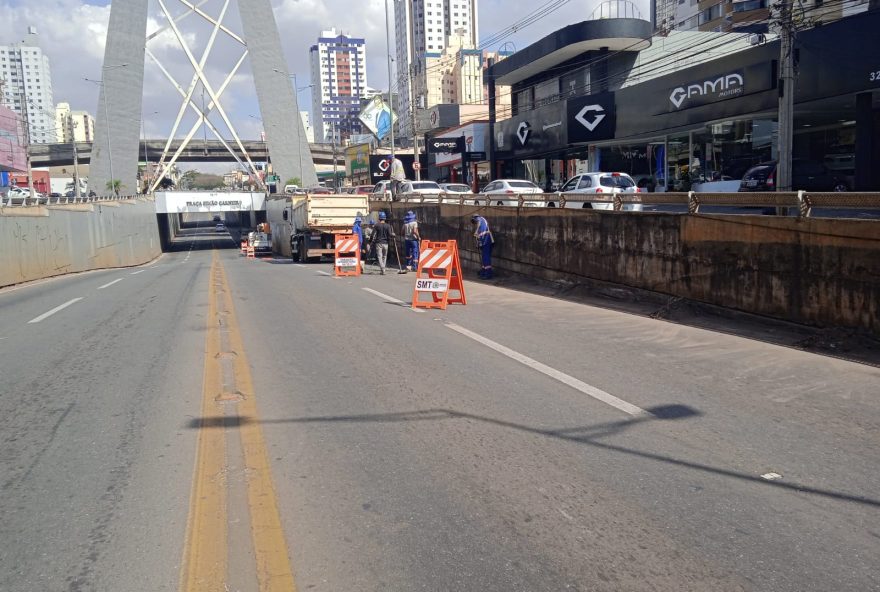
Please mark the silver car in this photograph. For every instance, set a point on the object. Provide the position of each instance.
(593, 183)
(455, 188)
(428, 191)
(506, 192)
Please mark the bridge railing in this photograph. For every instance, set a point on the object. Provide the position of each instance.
(10, 200)
(799, 203)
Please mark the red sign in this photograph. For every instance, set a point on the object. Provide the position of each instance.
(417, 166)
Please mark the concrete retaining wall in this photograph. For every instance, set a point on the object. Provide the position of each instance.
(815, 271)
(44, 241)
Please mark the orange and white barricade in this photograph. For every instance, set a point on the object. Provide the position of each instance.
(439, 275)
(347, 255)
(251, 254)
(244, 246)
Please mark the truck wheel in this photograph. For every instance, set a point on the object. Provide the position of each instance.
(295, 253)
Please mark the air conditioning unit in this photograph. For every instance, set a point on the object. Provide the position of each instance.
(757, 39)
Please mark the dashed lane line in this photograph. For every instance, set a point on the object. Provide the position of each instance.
(562, 377)
(137, 272)
(392, 299)
(48, 314)
(108, 284)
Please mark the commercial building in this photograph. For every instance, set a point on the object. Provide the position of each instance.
(27, 87)
(13, 151)
(698, 124)
(73, 126)
(339, 79)
(423, 29)
(741, 15)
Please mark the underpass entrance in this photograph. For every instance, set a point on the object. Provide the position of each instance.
(207, 219)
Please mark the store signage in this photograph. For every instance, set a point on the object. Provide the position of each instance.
(708, 91)
(590, 118)
(446, 145)
(476, 156)
(379, 165)
(523, 132)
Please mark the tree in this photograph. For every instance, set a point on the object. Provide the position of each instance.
(166, 183)
(115, 185)
(293, 181)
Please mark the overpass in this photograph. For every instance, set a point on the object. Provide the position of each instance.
(45, 155)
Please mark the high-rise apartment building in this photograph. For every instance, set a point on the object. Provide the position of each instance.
(27, 87)
(73, 126)
(423, 29)
(339, 79)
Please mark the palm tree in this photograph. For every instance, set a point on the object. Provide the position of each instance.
(114, 185)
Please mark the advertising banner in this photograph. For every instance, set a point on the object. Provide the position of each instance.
(377, 117)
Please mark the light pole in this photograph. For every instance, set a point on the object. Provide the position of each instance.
(144, 140)
(107, 119)
(390, 79)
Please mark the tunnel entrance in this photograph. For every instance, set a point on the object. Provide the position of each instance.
(198, 220)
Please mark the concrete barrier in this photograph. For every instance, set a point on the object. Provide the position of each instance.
(45, 241)
(815, 271)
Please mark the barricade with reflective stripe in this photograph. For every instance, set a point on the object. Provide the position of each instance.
(244, 246)
(347, 255)
(438, 275)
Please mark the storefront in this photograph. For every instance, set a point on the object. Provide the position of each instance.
(702, 127)
(465, 165)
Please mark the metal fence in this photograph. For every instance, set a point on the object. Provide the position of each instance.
(799, 203)
(10, 200)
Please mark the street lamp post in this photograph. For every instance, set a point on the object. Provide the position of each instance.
(107, 119)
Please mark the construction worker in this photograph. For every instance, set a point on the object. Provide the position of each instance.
(397, 174)
(358, 231)
(484, 239)
(411, 238)
(382, 235)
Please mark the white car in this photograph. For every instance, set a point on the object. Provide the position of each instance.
(414, 189)
(382, 191)
(587, 183)
(455, 188)
(505, 192)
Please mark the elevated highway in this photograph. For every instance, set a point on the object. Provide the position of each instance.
(44, 155)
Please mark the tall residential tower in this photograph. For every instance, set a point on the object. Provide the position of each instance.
(27, 87)
(339, 80)
(422, 29)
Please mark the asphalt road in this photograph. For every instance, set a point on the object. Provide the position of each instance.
(516, 443)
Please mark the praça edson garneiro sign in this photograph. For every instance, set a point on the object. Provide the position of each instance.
(178, 202)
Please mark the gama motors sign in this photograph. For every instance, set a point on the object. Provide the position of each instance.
(707, 91)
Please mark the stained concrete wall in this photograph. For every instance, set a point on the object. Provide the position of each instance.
(41, 242)
(816, 271)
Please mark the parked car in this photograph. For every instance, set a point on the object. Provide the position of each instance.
(806, 175)
(504, 192)
(455, 188)
(430, 189)
(319, 191)
(381, 191)
(599, 182)
(362, 189)
(17, 195)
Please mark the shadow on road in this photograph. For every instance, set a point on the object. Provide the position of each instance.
(584, 435)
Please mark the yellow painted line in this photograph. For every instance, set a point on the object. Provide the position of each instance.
(204, 559)
(274, 572)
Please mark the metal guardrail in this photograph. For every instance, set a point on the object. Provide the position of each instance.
(801, 202)
(27, 201)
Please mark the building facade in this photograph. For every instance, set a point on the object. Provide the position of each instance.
(73, 126)
(423, 29)
(27, 87)
(339, 79)
(743, 15)
(698, 125)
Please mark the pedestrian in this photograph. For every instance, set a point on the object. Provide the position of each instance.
(411, 238)
(397, 174)
(358, 231)
(382, 235)
(368, 235)
(485, 240)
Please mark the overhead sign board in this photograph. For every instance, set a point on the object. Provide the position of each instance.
(377, 117)
(179, 202)
(446, 145)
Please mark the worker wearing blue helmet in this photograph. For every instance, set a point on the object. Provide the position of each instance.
(485, 240)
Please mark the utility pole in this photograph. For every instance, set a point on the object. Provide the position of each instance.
(415, 133)
(390, 79)
(27, 139)
(70, 126)
(786, 94)
(333, 129)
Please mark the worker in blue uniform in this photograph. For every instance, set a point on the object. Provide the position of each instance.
(358, 231)
(485, 240)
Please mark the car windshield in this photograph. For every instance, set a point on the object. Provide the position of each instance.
(463, 188)
(526, 184)
(619, 181)
(426, 185)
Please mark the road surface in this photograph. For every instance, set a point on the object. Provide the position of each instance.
(210, 422)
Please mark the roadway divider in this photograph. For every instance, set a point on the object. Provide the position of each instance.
(347, 255)
(438, 274)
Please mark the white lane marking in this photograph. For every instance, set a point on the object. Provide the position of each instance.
(48, 314)
(562, 377)
(391, 299)
(137, 272)
(299, 265)
(107, 285)
(325, 273)
(771, 476)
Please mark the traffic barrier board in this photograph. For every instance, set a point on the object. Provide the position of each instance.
(439, 275)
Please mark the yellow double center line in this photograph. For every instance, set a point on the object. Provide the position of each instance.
(228, 388)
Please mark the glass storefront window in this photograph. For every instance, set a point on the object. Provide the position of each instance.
(641, 161)
(722, 152)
